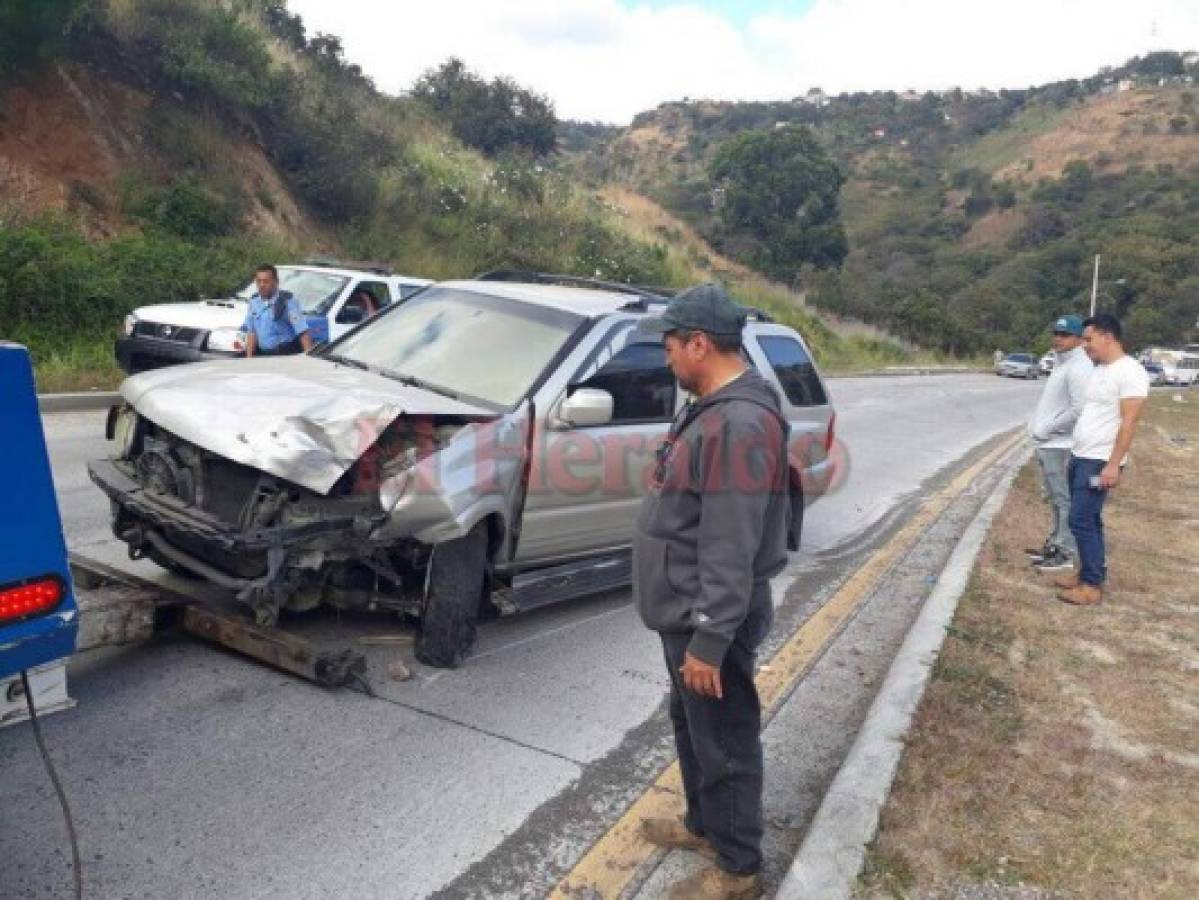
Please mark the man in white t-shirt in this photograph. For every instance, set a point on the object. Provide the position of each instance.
(1051, 429)
(1115, 394)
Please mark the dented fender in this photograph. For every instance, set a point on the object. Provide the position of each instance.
(479, 473)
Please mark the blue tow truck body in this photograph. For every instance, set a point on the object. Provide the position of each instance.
(33, 553)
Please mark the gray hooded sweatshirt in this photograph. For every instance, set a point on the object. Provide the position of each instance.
(713, 528)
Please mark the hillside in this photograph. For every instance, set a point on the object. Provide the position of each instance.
(972, 219)
(155, 150)
(74, 141)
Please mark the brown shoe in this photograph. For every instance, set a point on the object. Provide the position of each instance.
(711, 883)
(1067, 581)
(1082, 595)
(674, 835)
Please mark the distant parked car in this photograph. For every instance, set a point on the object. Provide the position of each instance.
(1018, 365)
(1047, 362)
(1157, 373)
(1180, 367)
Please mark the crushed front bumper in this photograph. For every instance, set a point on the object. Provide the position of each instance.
(175, 519)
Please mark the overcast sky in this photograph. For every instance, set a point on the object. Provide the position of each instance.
(607, 60)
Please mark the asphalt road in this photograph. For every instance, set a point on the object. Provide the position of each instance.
(193, 772)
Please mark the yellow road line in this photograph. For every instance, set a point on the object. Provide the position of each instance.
(608, 868)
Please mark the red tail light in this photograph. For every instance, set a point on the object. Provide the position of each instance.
(29, 598)
(830, 437)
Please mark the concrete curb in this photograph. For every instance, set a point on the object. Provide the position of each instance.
(831, 856)
(55, 403)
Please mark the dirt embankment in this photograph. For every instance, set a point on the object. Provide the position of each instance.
(1112, 133)
(70, 138)
(1055, 754)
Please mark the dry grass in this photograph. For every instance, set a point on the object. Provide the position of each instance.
(1110, 132)
(1055, 752)
(995, 228)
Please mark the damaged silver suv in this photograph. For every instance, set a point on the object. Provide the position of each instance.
(480, 448)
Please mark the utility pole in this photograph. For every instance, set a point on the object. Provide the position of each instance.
(1095, 285)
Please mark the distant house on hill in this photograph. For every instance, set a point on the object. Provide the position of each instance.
(1125, 84)
(816, 97)
(1190, 60)
(909, 96)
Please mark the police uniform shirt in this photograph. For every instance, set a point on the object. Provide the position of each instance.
(271, 332)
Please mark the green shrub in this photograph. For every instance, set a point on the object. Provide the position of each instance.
(33, 30)
(57, 288)
(492, 117)
(206, 50)
(187, 209)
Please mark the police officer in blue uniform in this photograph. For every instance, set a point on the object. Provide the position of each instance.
(275, 324)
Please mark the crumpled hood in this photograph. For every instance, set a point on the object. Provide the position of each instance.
(300, 418)
(203, 314)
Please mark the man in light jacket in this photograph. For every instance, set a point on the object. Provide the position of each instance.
(1051, 428)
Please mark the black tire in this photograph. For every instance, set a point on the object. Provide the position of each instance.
(447, 629)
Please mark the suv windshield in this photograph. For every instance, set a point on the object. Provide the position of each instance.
(1019, 357)
(481, 347)
(314, 290)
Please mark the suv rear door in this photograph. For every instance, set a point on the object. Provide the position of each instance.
(780, 354)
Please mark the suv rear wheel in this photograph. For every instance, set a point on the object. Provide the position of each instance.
(447, 630)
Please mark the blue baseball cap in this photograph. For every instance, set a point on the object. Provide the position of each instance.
(1070, 324)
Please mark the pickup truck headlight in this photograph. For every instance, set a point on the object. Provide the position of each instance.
(130, 321)
(227, 340)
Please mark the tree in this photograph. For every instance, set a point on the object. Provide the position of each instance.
(490, 116)
(779, 195)
(30, 30)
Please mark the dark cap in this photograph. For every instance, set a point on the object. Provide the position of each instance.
(705, 307)
(1070, 324)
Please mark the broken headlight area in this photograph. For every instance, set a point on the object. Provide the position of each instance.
(275, 544)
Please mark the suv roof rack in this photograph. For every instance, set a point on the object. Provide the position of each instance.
(332, 262)
(645, 294)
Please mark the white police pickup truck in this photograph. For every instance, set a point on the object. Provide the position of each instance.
(169, 333)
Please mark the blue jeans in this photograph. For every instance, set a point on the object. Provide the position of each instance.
(1086, 519)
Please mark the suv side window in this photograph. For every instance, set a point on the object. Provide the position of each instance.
(794, 370)
(641, 384)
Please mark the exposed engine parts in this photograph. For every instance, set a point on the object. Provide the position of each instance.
(281, 546)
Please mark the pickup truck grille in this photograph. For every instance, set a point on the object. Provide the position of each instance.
(176, 334)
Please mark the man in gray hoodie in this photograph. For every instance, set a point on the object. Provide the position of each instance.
(711, 534)
(1051, 428)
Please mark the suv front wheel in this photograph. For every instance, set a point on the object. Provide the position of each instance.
(455, 595)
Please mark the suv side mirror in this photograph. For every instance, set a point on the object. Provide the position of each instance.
(586, 406)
